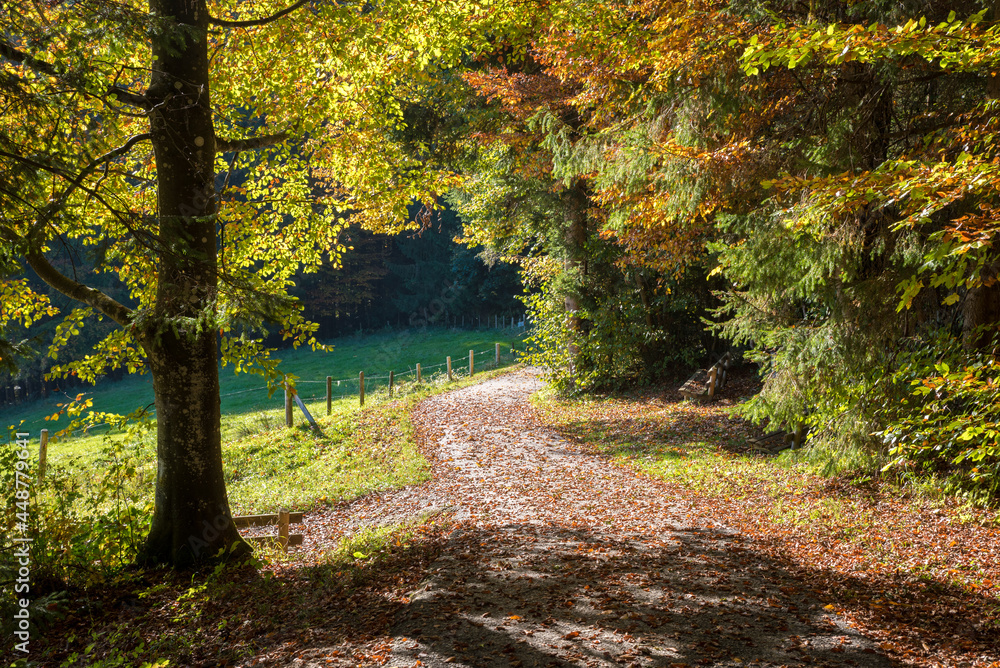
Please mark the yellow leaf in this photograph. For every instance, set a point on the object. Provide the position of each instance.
(950, 299)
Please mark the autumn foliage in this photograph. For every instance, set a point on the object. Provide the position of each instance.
(830, 167)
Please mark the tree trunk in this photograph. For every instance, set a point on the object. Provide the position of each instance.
(576, 263)
(981, 311)
(191, 521)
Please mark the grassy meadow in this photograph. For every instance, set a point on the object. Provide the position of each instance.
(266, 464)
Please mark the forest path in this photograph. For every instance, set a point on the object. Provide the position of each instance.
(560, 558)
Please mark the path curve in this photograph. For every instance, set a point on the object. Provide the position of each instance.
(560, 558)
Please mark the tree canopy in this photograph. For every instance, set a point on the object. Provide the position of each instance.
(203, 154)
(815, 183)
(828, 167)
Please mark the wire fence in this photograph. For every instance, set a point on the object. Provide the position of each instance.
(492, 361)
(320, 394)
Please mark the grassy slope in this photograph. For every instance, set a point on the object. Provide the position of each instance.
(360, 451)
(267, 465)
(244, 394)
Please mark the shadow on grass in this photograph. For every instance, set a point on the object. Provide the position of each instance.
(674, 428)
(240, 616)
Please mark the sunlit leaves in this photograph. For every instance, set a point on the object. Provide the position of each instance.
(955, 44)
(333, 77)
(952, 414)
(21, 304)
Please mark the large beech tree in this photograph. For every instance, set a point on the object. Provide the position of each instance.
(204, 152)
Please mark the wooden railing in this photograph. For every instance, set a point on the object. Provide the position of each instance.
(282, 518)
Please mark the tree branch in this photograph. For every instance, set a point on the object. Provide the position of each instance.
(78, 291)
(110, 155)
(256, 22)
(130, 98)
(10, 53)
(249, 144)
(55, 205)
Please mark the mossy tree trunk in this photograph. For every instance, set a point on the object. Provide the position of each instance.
(192, 521)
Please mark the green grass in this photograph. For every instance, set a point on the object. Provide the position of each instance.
(93, 507)
(267, 465)
(246, 407)
(359, 451)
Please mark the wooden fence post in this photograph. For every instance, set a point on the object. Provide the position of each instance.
(472, 368)
(392, 377)
(43, 446)
(361, 392)
(799, 433)
(283, 528)
(498, 355)
(419, 377)
(450, 378)
(329, 394)
(713, 374)
(288, 405)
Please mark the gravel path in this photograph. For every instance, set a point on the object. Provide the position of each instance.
(559, 558)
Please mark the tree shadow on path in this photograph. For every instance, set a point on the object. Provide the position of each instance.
(544, 595)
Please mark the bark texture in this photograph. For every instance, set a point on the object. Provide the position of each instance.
(192, 521)
(981, 310)
(576, 263)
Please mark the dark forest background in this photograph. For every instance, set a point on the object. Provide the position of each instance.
(415, 279)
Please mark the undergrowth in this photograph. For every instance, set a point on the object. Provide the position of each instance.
(89, 514)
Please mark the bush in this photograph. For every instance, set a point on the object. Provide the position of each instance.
(86, 522)
(949, 419)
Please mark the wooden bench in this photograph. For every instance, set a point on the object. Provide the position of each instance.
(282, 518)
(776, 441)
(703, 385)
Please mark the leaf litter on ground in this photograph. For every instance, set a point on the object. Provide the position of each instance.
(561, 537)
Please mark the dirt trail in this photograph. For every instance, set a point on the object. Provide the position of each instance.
(560, 558)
